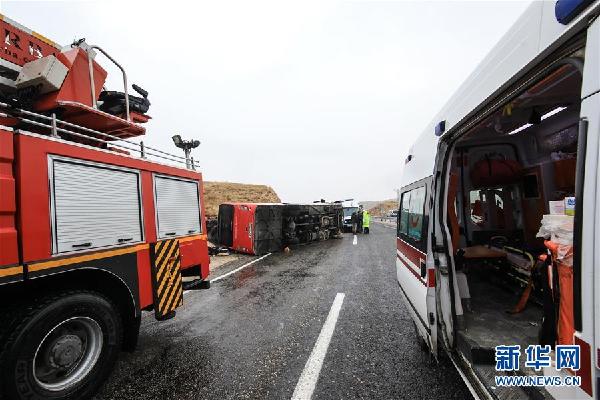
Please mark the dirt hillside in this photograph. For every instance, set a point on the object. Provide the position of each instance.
(381, 207)
(216, 193)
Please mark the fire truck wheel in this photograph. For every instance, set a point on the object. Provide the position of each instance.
(64, 346)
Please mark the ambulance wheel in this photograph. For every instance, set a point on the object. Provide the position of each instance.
(63, 347)
(419, 339)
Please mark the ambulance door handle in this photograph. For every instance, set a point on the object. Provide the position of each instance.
(87, 244)
(170, 234)
(423, 269)
(123, 240)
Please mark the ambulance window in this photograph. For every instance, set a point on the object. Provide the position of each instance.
(412, 219)
(403, 216)
(416, 212)
(177, 207)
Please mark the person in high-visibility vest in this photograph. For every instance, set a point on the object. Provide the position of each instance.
(366, 219)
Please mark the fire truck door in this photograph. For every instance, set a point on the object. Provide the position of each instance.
(166, 278)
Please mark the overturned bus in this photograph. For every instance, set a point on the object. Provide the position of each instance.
(260, 228)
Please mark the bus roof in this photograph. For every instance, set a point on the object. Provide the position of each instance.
(535, 34)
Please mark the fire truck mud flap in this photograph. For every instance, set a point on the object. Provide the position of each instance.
(167, 283)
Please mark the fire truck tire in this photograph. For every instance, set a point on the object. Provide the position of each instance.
(63, 347)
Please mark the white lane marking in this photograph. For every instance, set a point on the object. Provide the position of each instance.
(239, 268)
(231, 272)
(310, 375)
(355, 240)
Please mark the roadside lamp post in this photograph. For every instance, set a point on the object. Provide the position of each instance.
(187, 146)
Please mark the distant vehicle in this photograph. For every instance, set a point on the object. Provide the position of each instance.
(392, 214)
(517, 148)
(347, 226)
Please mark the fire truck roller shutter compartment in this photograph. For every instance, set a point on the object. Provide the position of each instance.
(94, 205)
(177, 207)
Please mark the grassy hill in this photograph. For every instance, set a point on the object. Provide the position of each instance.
(216, 193)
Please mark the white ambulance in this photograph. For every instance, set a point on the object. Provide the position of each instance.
(498, 232)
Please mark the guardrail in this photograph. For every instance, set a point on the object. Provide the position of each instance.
(386, 219)
(54, 126)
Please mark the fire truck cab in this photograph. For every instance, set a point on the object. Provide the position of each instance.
(94, 227)
(497, 231)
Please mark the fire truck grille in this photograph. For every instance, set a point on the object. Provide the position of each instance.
(167, 282)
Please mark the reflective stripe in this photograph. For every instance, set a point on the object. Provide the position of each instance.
(89, 257)
(11, 271)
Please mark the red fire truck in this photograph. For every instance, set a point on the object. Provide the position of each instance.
(94, 226)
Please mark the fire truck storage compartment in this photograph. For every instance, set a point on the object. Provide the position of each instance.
(508, 172)
(93, 205)
(177, 206)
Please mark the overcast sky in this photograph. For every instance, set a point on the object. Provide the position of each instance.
(316, 99)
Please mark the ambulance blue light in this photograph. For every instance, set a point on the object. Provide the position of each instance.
(566, 10)
(440, 128)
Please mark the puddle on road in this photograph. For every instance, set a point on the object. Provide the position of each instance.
(289, 271)
(243, 277)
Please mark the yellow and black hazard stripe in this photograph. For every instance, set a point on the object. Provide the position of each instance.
(166, 274)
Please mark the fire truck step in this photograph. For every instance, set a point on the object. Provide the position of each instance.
(196, 284)
(167, 316)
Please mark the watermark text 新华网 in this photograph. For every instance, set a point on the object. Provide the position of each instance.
(537, 357)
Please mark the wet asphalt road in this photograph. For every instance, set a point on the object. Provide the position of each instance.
(250, 335)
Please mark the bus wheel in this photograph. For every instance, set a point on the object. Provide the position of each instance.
(63, 347)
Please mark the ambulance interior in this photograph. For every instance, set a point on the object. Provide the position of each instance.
(504, 173)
